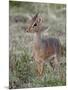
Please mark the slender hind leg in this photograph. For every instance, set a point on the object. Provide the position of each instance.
(57, 66)
(54, 63)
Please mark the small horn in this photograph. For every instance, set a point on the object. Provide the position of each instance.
(34, 18)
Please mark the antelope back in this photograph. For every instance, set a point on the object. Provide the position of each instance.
(35, 24)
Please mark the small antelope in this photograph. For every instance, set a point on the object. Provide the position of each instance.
(43, 48)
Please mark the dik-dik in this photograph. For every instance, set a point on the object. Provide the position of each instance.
(43, 48)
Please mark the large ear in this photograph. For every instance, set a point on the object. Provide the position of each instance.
(40, 20)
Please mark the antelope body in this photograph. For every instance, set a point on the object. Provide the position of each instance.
(43, 48)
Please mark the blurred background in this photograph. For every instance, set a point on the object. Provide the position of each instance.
(21, 64)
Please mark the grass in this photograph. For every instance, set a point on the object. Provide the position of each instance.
(23, 75)
(22, 72)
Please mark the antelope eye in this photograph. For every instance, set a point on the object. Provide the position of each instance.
(35, 24)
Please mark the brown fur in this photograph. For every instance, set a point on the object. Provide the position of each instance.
(43, 49)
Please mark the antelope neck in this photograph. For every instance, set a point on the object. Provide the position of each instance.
(37, 38)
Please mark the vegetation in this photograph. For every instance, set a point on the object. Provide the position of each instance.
(22, 72)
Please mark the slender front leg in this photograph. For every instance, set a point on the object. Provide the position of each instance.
(40, 68)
